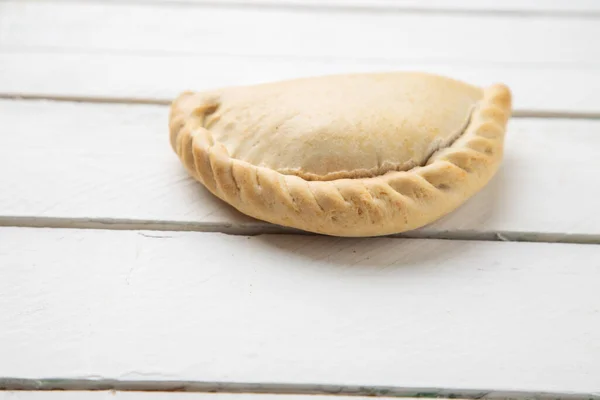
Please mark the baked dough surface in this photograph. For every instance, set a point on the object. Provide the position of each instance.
(345, 155)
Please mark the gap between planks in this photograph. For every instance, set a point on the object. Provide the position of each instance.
(542, 114)
(288, 389)
(352, 7)
(259, 229)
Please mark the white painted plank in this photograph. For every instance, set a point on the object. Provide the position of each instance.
(160, 28)
(551, 63)
(124, 76)
(516, 6)
(293, 309)
(109, 161)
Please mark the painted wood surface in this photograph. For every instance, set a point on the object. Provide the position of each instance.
(288, 312)
(520, 7)
(161, 28)
(143, 78)
(114, 162)
(551, 63)
(208, 307)
(115, 395)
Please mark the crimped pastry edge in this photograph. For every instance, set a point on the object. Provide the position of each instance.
(394, 202)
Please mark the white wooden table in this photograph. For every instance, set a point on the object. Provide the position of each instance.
(119, 274)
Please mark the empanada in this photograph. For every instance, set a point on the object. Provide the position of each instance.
(345, 155)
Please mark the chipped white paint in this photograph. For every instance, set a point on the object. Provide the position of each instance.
(110, 395)
(299, 310)
(115, 161)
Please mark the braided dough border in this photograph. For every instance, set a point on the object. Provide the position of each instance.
(391, 203)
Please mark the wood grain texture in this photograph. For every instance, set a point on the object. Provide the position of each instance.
(208, 307)
(154, 51)
(108, 161)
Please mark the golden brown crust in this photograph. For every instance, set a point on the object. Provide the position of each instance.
(394, 202)
(337, 126)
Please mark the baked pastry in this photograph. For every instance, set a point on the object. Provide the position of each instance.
(344, 155)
